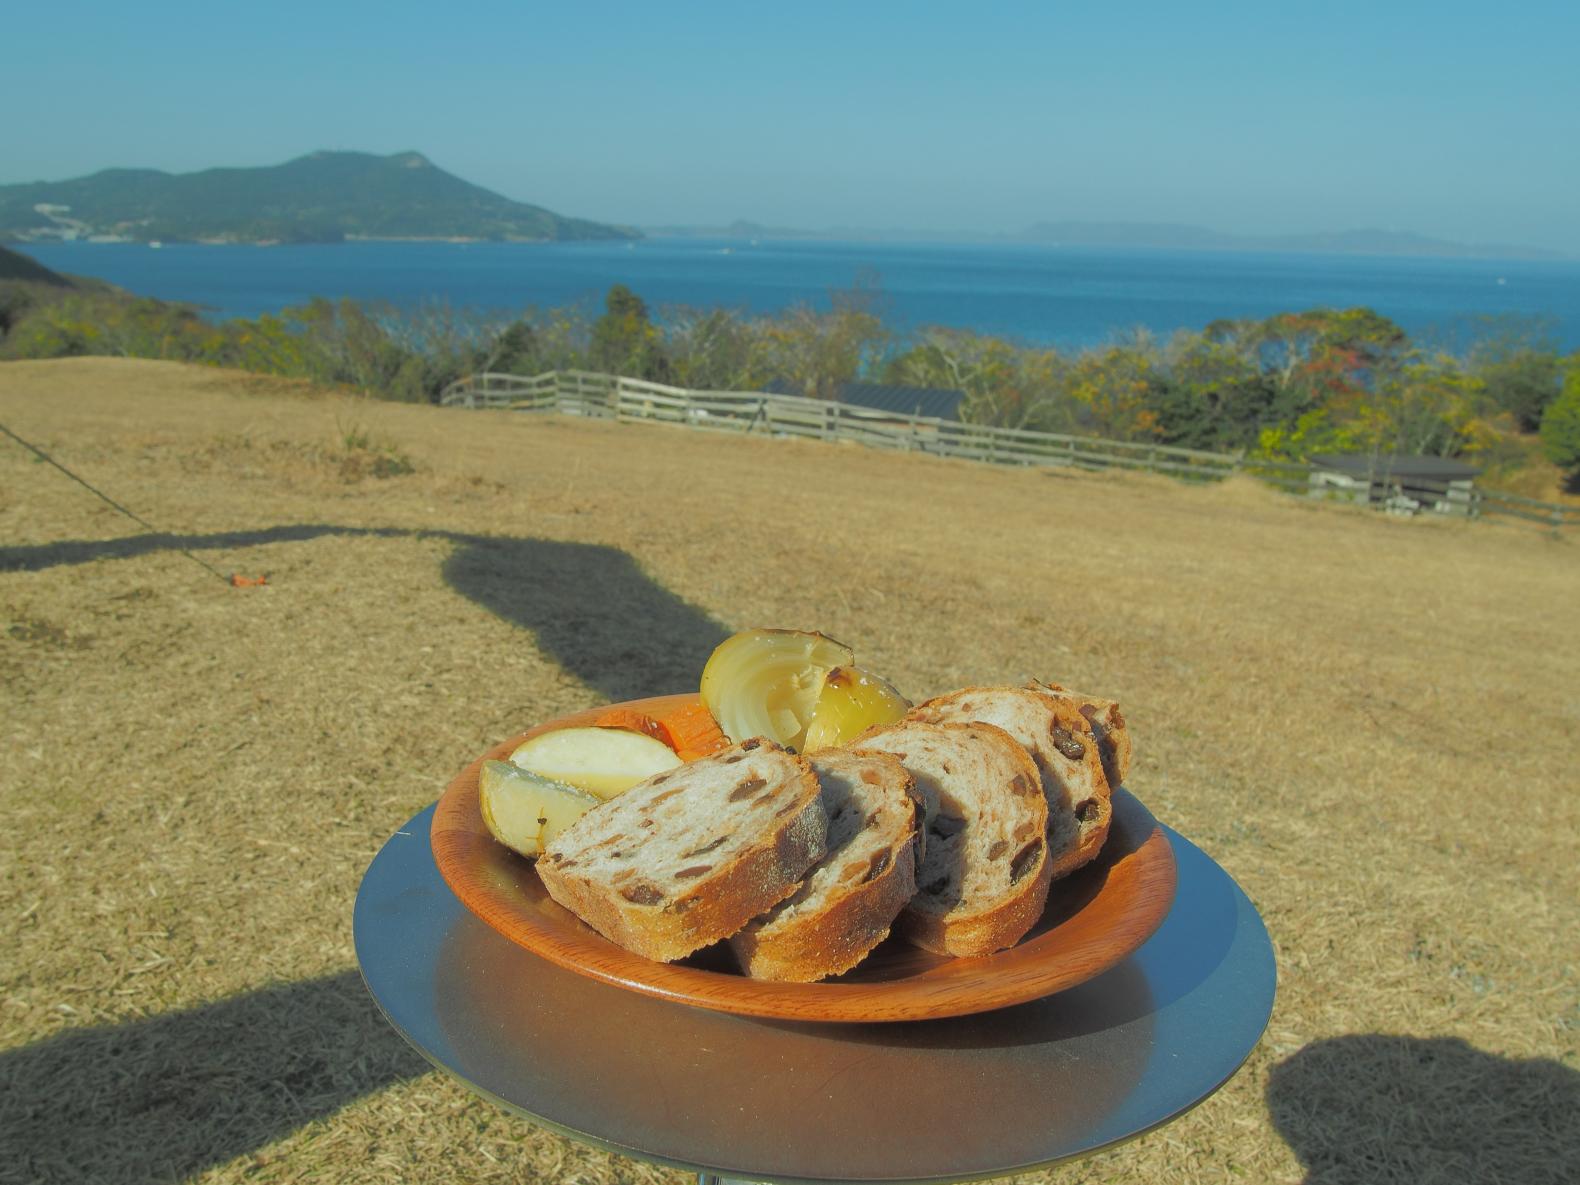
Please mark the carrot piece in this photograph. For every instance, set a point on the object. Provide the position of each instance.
(633, 721)
(692, 731)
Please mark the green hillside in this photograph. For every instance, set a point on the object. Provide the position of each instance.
(322, 197)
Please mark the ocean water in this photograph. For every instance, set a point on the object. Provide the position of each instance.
(1066, 297)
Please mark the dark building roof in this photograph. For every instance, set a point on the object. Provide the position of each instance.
(901, 401)
(1396, 465)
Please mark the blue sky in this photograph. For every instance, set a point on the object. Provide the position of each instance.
(1447, 119)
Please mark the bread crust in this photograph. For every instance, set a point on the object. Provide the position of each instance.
(861, 905)
(965, 928)
(1108, 725)
(1077, 790)
(780, 840)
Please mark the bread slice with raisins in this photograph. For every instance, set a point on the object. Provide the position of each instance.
(849, 900)
(1061, 742)
(983, 877)
(1108, 726)
(692, 854)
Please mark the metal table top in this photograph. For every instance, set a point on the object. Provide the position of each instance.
(943, 1100)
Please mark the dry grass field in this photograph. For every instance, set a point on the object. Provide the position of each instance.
(1371, 723)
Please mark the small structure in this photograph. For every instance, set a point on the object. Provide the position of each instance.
(1400, 484)
(901, 402)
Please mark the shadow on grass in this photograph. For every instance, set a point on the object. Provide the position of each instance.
(164, 1098)
(591, 608)
(1373, 1108)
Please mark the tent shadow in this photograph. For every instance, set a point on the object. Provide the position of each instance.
(164, 1098)
(1373, 1108)
(590, 608)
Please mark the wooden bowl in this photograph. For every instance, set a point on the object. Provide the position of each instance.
(1093, 920)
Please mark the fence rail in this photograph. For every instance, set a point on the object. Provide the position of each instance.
(586, 393)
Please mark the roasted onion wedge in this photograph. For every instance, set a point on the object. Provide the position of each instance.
(766, 682)
(852, 700)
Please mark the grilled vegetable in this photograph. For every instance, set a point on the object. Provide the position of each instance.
(766, 682)
(602, 761)
(524, 810)
(852, 701)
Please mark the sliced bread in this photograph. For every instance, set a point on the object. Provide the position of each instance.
(849, 900)
(983, 878)
(692, 854)
(1108, 726)
(1061, 742)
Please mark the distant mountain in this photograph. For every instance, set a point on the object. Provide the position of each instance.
(1163, 235)
(742, 229)
(320, 198)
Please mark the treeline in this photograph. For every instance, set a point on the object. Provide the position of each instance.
(1288, 386)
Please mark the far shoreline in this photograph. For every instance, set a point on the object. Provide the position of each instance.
(737, 243)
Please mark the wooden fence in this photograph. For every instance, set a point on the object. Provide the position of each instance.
(584, 393)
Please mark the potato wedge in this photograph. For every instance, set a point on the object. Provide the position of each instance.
(523, 810)
(602, 761)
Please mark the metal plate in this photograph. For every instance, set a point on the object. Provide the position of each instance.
(941, 1100)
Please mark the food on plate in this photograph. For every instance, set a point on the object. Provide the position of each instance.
(850, 898)
(632, 721)
(604, 761)
(983, 876)
(766, 682)
(1108, 726)
(524, 810)
(851, 701)
(693, 853)
(1061, 742)
(802, 809)
(692, 731)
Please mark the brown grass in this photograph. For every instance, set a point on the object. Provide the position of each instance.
(1370, 723)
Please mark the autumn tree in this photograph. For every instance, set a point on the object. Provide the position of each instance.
(714, 350)
(1005, 385)
(815, 351)
(1521, 376)
(1561, 426)
(624, 339)
(1114, 389)
(1209, 394)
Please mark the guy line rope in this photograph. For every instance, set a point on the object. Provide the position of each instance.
(233, 579)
